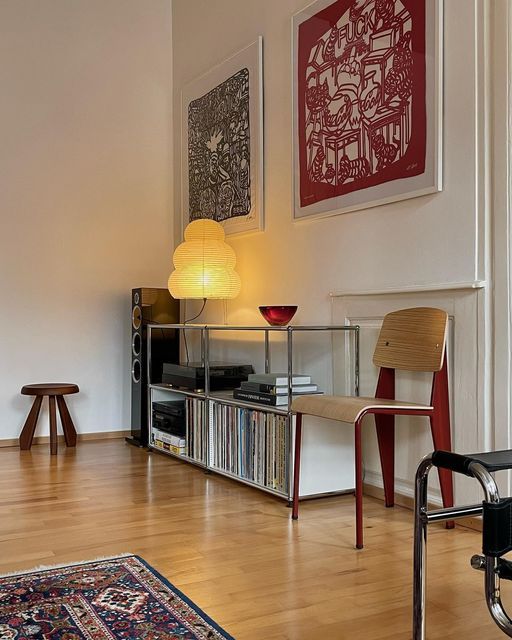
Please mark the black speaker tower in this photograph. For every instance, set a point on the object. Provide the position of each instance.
(150, 306)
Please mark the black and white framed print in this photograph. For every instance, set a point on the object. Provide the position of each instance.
(222, 143)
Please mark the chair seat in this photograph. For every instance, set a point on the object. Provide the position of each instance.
(492, 461)
(347, 408)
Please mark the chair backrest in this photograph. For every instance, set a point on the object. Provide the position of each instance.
(412, 340)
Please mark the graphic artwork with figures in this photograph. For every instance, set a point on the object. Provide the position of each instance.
(361, 96)
(219, 151)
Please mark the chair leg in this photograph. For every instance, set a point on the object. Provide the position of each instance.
(441, 442)
(67, 423)
(359, 484)
(440, 427)
(385, 426)
(53, 426)
(296, 466)
(420, 548)
(27, 433)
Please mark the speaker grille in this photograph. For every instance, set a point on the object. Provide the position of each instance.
(136, 317)
(136, 371)
(136, 344)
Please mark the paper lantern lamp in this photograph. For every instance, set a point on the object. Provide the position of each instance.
(204, 265)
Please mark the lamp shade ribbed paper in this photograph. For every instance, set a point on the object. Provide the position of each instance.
(204, 264)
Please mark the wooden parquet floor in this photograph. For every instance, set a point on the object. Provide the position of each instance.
(234, 550)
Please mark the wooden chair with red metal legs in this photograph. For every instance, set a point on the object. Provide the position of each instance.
(409, 340)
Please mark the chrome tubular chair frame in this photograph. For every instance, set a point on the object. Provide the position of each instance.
(489, 564)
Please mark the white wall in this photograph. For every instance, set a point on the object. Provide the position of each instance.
(430, 241)
(424, 240)
(85, 195)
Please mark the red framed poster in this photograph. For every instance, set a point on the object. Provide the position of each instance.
(366, 103)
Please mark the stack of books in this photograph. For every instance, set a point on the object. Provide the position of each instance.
(272, 388)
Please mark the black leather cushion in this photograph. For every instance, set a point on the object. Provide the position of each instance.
(497, 529)
(492, 461)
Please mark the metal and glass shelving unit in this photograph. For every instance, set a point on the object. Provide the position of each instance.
(268, 429)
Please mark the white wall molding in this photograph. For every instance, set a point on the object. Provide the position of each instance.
(81, 437)
(403, 487)
(502, 210)
(440, 286)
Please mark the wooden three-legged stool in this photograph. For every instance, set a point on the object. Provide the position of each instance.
(53, 391)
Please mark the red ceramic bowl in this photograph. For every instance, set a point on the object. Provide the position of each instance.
(278, 316)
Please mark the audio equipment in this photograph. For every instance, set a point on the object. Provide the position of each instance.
(169, 416)
(150, 306)
(191, 375)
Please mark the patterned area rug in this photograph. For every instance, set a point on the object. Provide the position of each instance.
(120, 597)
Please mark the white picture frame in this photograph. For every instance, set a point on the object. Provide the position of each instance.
(222, 151)
(335, 201)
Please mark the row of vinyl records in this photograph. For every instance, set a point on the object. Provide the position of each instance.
(197, 435)
(252, 444)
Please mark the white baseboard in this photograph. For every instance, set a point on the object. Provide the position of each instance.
(99, 435)
(404, 497)
(403, 488)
